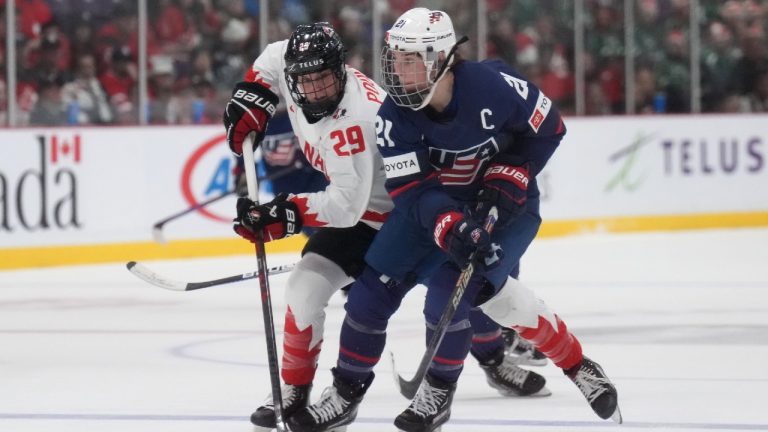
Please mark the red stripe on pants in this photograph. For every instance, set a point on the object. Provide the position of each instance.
(560, 346)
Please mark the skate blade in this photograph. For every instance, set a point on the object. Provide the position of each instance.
(438, 429)
(544, 392)
(269, 429)
(338, 429)
(617, 416)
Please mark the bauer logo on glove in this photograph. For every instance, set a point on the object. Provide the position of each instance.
(251, 107)
(276, 219)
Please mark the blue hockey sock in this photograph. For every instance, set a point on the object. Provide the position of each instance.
(487, 339)
(359, 350)
(372, 301)
(448, 361)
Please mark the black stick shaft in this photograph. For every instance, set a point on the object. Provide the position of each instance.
(266, 297)
(408, 388)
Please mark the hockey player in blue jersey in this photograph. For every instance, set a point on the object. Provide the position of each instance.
(457, 137)
(332, 110)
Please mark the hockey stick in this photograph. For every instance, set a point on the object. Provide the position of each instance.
(266, 298)
(142, 272)
(408, 388)
(157, 228)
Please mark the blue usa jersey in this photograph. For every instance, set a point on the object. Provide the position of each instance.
(435, 161)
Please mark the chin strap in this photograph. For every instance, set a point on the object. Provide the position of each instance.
(448, 59)
(441, 73)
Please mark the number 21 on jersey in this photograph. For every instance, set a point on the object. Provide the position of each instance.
(383, 129)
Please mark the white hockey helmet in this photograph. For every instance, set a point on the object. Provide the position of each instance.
(428, 33)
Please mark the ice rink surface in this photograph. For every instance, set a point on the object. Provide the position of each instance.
(679, 321)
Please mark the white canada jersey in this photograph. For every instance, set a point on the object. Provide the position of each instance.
(342, 146)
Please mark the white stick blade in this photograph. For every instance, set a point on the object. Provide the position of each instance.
(153, 278)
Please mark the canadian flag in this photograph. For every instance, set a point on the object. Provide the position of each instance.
(65, 148)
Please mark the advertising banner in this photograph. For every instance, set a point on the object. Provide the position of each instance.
(658, 165)
(99, 185)
(70, 187)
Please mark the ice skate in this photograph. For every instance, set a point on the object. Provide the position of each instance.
(597, 388)
(503, 374)
(520, 350)
(429, 409)
(294, 398)
(336, 408)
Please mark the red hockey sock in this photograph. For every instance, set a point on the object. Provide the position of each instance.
(299, 362)
(560, 345)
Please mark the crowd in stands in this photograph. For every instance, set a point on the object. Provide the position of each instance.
(77, 60)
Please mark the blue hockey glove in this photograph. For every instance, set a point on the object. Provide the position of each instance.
(506, 187)
(459, 236)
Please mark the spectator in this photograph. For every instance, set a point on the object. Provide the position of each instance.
(605, 54)
(206, 108)
(33, 14)
(85, 98)
(229, 60)
(212, 41)
(164, 104)
(49, 52)
(119, 81)
(674, 75)
(718, 61)
(83, 40)
(753, 62)
(645, 90)
(175, 35)
(123, 30)
(49, 109)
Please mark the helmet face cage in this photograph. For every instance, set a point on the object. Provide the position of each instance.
(414, 58)
(315, 50)
(409, 85)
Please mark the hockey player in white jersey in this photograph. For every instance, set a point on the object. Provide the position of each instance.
(332, 110)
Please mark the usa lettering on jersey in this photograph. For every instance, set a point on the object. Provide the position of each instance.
(461, 167)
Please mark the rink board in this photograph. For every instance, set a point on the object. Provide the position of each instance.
(78, 195)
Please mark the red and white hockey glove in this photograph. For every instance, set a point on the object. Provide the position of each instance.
(277, 219)
(249, 110)
(506, 187)
(459, 236)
